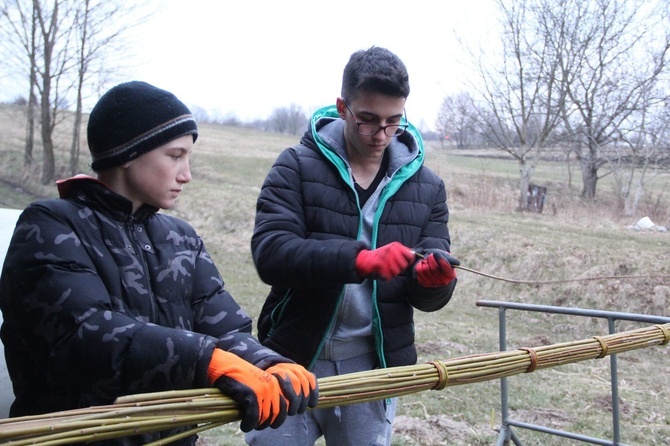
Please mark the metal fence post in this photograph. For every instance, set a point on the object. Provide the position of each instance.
(506, 434)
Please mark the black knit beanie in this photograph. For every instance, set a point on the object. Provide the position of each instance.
(132, 119)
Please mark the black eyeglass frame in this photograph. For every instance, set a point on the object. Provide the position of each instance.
(399, 128)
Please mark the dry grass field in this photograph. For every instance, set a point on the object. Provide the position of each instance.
(570, 240)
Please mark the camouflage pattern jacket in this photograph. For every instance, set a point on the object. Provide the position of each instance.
(98, 302)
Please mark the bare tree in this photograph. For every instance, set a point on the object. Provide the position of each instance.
(95, 41)
(38, 38)
(641, 152)
(65, 44)
(290, 120)
(455, 120)
(19, 42)
(518, 95)
(83, 24)
(53, 63)
(611, 53)
(32, 97)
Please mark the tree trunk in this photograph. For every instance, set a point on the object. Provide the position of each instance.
(48, 161)
(589, 179)
(49, 35)
(76, 132)
(32, 99)
(568, 167)
(525, 173)
(30, 127)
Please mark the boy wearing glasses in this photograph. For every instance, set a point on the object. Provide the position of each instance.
(351, 233)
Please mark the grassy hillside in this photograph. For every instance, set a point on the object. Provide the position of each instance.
(569, 240)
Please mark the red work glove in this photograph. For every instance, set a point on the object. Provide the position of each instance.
(385, 262)
(435, 269)
(256, 391)
(298, 385)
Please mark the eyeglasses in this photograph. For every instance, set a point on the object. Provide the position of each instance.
(372, 129)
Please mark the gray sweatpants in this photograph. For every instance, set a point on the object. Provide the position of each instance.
(365, 424)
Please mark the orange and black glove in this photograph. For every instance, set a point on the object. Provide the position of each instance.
(257, 392)
(298, 385)
(435, 269)
(385, 262)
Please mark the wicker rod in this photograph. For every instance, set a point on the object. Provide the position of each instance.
(201, 409)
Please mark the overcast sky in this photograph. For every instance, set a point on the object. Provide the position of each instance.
(246, 58)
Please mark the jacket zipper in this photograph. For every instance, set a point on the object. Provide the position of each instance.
(379, 338)
(131, 231)
(342, 292)
(278, 311)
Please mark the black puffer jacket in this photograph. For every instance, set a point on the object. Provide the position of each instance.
(99, 303)
(305, 244)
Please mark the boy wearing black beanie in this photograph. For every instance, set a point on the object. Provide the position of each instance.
(103, 296)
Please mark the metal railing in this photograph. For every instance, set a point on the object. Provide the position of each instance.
(506, 433)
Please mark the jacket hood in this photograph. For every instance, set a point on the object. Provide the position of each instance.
(325, 115)
(407, 150)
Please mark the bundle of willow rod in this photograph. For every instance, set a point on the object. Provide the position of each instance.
(202, 409)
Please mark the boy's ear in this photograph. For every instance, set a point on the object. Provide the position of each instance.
(341, 108)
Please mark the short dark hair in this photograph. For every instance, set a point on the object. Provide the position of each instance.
(375, 70)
